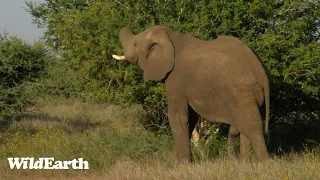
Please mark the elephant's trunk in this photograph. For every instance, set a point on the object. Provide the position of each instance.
(126, 40)
(125, 35)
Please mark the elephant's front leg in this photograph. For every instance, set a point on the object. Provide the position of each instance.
(179, 123)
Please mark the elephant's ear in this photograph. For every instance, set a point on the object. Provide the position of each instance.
(160, 58)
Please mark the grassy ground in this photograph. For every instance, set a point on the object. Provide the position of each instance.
(116, 146)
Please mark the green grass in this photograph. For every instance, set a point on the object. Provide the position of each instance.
(117, 146)
(66, 129)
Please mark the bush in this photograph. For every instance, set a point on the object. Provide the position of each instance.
(21, 65)
(61, 81)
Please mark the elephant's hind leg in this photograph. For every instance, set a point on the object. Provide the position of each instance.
(249, 124)
(245, 144)
(245, 147)
(231, 142)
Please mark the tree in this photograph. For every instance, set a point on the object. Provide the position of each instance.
(285, 34)
(21, 65)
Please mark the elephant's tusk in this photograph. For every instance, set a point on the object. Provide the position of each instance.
(119, 57)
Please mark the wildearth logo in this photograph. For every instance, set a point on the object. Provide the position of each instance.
(46, 163)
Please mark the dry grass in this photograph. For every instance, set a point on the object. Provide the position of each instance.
(71, 114)
(289, 168)
(293, 167)
(68, 128)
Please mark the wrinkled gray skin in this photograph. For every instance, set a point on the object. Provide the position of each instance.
(221, 80)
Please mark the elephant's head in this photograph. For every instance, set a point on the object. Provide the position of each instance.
(152, 48)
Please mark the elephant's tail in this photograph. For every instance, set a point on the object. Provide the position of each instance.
(267, 105)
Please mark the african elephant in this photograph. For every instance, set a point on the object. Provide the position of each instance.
(221, 80)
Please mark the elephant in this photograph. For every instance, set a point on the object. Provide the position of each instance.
(221, 80)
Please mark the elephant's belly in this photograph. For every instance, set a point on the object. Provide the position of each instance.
(211, 110)
(219, 100)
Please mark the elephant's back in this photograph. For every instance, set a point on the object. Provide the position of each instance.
(236, 50)
(240, 60)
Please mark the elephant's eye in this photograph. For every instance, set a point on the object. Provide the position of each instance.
(135, 44)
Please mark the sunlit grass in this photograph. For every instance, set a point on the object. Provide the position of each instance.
(116, 146)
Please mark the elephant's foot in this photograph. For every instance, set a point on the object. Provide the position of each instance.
(262, 155)
(183, 158)
(260, 149)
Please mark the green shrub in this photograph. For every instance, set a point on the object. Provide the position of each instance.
(61, 81)
(213, 144)
(21, 65)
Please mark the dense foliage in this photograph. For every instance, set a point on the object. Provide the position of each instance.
(21, 65)
(285, 34)
(59, 80)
